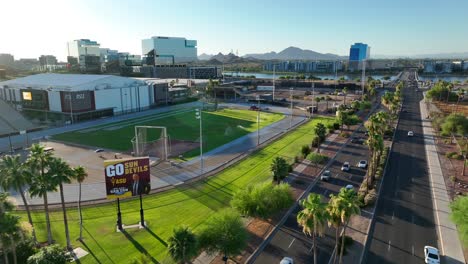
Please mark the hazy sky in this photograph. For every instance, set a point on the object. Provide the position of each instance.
(30, 28)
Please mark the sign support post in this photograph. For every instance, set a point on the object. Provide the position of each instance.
(142, 214)
(119, 216)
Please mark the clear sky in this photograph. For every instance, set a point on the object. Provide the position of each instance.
(29, 28)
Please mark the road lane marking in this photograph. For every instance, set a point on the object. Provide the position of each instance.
(412, 249)
(412, 196)
(389, 245)
(292, 242)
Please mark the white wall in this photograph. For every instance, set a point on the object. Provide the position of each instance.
(108, 98)
(54, 101)
(123, 99)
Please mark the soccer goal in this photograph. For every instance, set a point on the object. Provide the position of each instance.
(151, 141)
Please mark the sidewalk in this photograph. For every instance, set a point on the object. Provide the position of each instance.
(450, 246)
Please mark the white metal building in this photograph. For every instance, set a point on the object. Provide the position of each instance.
(180, 49)
(78, 94)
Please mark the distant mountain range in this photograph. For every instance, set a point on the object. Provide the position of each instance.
(291, 53)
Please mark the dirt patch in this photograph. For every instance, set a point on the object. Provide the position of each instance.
(179, 147)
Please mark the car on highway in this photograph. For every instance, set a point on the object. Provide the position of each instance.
(345, 166)
(431, 255)
(287, 260)
(325, 175)
(410, 133)
(362, 164)
(254, 108)
(98, 150)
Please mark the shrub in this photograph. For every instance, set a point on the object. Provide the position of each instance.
(317, 158)
(262, 200)
(454, 155)
(305, 150)
(331, 131)
(336, 126)
(49, 255)
(344, 134)
(290, 168)
(330, 126)
(296, 159)
(370, 197)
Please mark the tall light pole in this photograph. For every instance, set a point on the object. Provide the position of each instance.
(291, 99)
(313, 98)
(274, 68)
(258, 120)
(363, 77)
(198, 115)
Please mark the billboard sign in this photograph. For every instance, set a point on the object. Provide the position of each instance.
(127, 177)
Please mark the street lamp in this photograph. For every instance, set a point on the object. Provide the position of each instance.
(274, 68)
(198, 115)
(258, 120)
(291, 99)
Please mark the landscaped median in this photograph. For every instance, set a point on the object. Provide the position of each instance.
(188, 205)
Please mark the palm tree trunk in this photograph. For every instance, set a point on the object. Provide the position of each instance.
(5, 255)
(46, 209)
(81, 215)
(26, 205)
(13, 251)
(315, 247)
(65, 221)
(342, 242)
(337, 237)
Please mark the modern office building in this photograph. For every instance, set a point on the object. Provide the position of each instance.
(170, 50)
(6, 59)
(358, 54)
(82, 47)
(45, 60)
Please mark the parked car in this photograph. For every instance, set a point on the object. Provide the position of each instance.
(325, 175)
(349, 187)
(345, 166)
(410, 133)
(287, 260)
(357, 140)
(362, 164)
(431, 255)
(98, 150)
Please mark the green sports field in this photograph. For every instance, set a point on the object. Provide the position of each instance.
(188, 205)
(219, 128)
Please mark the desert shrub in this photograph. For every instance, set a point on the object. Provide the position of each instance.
(370, 197)
(317, 158)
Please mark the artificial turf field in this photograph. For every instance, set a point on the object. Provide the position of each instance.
(188, 205)
(219, 128)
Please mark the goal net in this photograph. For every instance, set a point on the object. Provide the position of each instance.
(151, 141)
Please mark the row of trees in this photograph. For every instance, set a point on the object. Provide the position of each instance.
(41, 173)
(444, 91)
(337, 213)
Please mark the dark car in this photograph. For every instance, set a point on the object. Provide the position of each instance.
(254, 108)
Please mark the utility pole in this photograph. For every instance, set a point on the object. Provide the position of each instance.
(291, 99)
(198, 115)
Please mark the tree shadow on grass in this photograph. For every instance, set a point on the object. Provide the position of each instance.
(90, 252)
(156, 236)
(138, 246)
(89, 234)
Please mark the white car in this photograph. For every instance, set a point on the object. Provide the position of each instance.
(410, 133)
(431, 255)
(349, 187)
(287, 260)
(325, 175)
(362, 164)
(345, 166)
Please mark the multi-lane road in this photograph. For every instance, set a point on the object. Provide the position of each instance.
(289, 240)
(404, 215)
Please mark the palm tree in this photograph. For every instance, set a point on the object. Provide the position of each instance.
(182, 244)
(11, 230)
(313, 218)
(60, 173)
(14, 176)
(279, 169)
(321, 132)
(41, 182)
(334, 220)
(460, 94)
(80, 175)
(345, 92)
(349, 205)
(449, 87)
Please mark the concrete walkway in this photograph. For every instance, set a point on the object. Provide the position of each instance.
(450, 246)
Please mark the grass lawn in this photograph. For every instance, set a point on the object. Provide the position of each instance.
(219, 128)
(187, 205)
